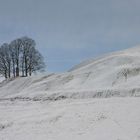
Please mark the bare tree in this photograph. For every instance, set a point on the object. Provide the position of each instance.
(36, 62)
(5, 60)
(32, 59)
(12, 54)
(20, 56)
(16, 48)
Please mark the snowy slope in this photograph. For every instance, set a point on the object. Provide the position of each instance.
(85, 119)
(32, 108)
(116, 74)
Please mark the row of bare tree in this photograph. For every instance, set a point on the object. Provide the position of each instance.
(20, 57)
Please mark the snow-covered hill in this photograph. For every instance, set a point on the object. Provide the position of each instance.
(31, 109)
(116, 74)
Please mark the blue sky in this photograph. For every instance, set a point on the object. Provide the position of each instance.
(70, 31)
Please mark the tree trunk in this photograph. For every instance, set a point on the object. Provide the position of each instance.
(17, 68)
(14, 71)
(9, 70)
(26, 69)
(23, 68)
(30, 72)
(17, 71)
(5, 73)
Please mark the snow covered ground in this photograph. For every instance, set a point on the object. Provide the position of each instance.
(74, 104)
(75, 119)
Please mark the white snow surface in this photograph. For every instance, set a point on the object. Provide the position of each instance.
(71, 119)
(74, 105)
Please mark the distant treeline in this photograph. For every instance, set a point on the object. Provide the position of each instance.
(20, 57)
